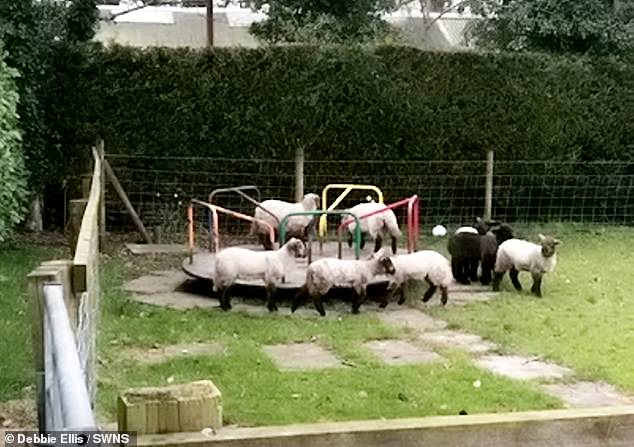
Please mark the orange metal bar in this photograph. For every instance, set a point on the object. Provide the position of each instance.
(215, 209)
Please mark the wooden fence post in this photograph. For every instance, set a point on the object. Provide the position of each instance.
(299, 174)
(488, 188)
(102, 195)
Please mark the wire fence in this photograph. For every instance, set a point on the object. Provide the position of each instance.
(451, 192)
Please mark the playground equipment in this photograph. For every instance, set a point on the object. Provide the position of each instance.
(201, 264)
(412, 220)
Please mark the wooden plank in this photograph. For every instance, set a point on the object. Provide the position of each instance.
(591, 427)
(101, 152)
(128, 205)
(89, 222)
(76, 214)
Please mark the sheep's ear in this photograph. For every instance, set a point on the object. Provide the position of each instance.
(541, 237)
(478, 219)
(557, 242)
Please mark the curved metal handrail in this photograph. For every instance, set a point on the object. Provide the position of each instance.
(215, 209)
(239, 190)
(347, 187)
(412, 219)
(357, 231)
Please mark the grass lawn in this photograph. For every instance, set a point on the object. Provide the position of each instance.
(585, 319)
(16, 366)
(256, 393)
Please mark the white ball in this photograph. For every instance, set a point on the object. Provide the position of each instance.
(439, 231)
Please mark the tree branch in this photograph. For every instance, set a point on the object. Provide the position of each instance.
(445, 11)
(111, 17)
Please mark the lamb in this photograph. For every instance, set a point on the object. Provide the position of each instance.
(240, 263)
(326, 273)
(470, 245)
(296, 226)
(375, 226)
(426, 265)
(517, 255)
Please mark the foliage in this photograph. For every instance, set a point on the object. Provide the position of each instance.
(31, 31)
(385, 103)
(12, 174)
(558, 26)
(324, 21)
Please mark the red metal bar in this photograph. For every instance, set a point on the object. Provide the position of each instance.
(412, 219)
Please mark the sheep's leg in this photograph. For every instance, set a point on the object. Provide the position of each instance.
(270, 297)
(430, 291)
(394, 245)
(537, 284)
(378, 243)
(225, 301)
(359, 296)
(457, 267)
(444, 291)
(319, 305)
(487, 267)
(362, 241)
(349, 239)
(497, 279)
(473, 269)
(299, 298)
(514, 274)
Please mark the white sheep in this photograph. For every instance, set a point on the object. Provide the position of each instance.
(326, 273)
(375, 226)
(296, 225)
(240, 263)
(424, 265)
(516, 255)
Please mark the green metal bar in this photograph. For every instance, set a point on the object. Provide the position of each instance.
(357, 230)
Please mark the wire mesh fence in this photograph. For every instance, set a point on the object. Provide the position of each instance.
(451, 192)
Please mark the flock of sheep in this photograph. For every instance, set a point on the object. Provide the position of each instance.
(485, 246)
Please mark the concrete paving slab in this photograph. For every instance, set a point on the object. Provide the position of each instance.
(412, 318)
(399, 352)
(454, 339)
(300, 356)
(588, 394)
(522, 368)
(157, 282)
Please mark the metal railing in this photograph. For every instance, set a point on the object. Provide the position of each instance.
(347, 188)
(357, 231)
(214, 243)
(67, 402)
(412, 220)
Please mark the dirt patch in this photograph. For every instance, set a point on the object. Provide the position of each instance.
(398, 352)
(19, 413)
(157, 282)
(182, 350)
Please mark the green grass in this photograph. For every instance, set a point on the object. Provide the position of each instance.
(585, 319)
(16, 365)
(256, 393)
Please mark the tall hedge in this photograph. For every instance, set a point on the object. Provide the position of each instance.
(12, 172)
(345, 103)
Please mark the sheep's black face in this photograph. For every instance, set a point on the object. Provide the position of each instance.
(503, 233)
(549, 245)
(387, 265)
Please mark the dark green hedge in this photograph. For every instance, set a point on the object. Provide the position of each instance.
(343, 103)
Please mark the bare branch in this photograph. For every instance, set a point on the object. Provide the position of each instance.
(111, 17)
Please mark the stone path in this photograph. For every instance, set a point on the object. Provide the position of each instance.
(425, 335)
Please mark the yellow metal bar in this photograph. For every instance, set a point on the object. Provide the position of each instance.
(347, 187)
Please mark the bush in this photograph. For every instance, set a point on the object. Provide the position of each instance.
(380, 103)
(12, 173)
